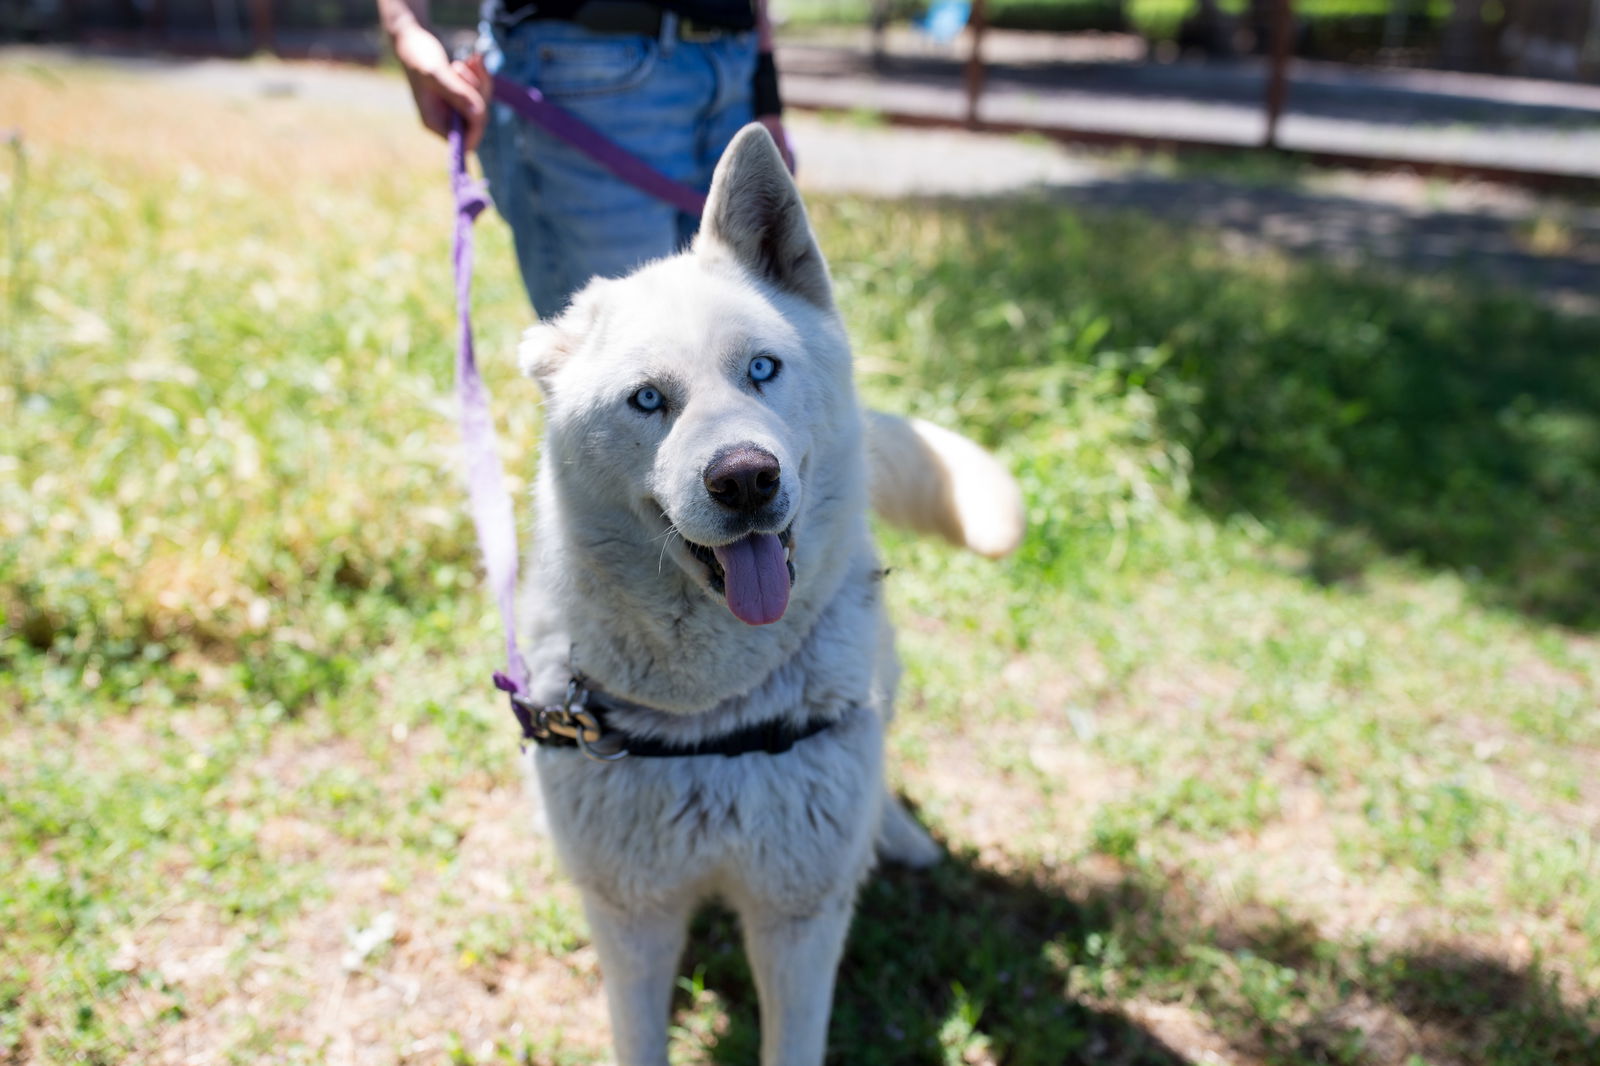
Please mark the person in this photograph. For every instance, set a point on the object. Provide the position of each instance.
(669, 80)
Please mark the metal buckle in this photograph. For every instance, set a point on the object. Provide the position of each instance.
(697, 33)
(572, 720)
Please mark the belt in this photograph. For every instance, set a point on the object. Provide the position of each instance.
(631, 17)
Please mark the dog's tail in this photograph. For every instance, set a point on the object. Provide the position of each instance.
(931, 480)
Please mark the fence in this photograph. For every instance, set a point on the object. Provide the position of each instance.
(1544, 38)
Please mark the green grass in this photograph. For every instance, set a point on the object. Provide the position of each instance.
(1275, 740)
(1156, 19)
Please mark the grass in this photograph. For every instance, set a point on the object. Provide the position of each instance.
(1274, 743)
(1156, 19)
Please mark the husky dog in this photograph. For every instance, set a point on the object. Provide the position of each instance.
(705, 607)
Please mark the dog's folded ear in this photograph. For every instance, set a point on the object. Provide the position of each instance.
(754, 211)
(549, 343)
(543, 347)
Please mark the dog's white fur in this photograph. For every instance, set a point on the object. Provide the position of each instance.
(614, 592)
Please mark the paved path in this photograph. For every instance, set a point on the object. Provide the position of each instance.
(1103, 85)
(1548, 245)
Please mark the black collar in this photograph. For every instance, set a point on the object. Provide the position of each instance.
(579, 721)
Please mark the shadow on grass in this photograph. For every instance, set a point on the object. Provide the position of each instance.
(1255, 197)
(1358, 409)
(962, 963)
(1455, 426)
(953, 964)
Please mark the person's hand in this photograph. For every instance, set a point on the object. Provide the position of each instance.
(774, 124)
(441, 87)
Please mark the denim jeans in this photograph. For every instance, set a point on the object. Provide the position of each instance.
(674, 103)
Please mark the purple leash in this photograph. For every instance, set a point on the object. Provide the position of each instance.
(531, 105)
(491, 504)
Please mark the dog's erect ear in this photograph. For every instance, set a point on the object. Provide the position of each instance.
(547, 344)
(754, 211)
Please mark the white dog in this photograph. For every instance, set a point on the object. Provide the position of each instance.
(704, 596)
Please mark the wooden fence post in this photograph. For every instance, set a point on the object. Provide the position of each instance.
(978, 23)
(1278, 68)
(263, 34)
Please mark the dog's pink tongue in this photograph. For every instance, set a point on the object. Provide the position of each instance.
(756, 577)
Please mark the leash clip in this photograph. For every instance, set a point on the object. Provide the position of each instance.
(571, 719)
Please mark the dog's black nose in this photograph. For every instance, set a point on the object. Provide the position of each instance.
(743, 477)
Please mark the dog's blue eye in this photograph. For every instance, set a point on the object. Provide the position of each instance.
(763, 368)
(648, 399)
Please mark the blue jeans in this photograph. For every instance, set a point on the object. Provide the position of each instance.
(676, 104)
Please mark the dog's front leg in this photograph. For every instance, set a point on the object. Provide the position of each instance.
(639, 954)
(794, 961)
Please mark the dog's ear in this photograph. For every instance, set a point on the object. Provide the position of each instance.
(548, 344)
(544, 347)
(755, 212)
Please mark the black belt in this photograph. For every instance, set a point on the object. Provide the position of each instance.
(631, 17)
